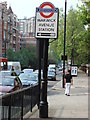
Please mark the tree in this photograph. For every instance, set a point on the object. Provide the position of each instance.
(74, 35)
(27, 57)
(72, 29)
(84, 16)
(10, 54)
(76, 46)
(60, 34)
(53, 56)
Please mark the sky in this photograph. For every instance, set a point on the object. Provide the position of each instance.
(27, 8)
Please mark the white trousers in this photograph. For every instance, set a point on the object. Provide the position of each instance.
(67, 88)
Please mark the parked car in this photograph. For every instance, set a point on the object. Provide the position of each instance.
(8, 73)
(16, 66)
(9, 84)
(36, 72)
(51, 75)
(5, 73)
(60, 68)
(28, 79)
(52, 67)
(27, 70)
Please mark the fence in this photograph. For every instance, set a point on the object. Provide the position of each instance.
(16, 104)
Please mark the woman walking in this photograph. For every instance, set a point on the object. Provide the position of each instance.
(68, 82)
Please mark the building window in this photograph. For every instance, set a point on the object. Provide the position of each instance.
(6, 46)
(14, 46)
(5, 25)
(27, 28)
(3, 45)
(8, 28)
(8, 37)
(4, 35)
(30, 26)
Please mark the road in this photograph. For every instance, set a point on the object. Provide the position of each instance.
(52, 83)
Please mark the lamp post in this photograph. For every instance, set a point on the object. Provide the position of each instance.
(64, 43)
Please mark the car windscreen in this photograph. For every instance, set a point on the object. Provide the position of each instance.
(7, 82)
(27, 76)
(6, 73)
(51, 73)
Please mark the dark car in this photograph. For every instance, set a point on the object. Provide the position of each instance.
(9, 84)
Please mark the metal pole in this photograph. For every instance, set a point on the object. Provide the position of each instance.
(64, 43)
(43, 103)
(39, 66)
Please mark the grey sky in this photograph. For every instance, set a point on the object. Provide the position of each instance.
(28, 7)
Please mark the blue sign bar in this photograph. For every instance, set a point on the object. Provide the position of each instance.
(46, 10)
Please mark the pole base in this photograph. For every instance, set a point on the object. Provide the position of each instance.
(43, 110)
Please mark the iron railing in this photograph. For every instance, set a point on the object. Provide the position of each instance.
(16, 104)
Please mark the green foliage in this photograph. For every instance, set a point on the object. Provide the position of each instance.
(77, 37)
(26, 56)
(85, 10)
(10, 54)
(53, 56)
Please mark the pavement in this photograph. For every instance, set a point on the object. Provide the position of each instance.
(62, 106)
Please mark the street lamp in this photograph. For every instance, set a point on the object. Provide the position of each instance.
(64, 43)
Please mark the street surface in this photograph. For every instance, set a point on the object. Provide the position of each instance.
(52, 83)
(62, 106)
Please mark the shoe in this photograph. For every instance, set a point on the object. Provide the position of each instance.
(68, 95)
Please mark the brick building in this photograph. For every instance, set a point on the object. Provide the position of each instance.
(9, 25)
(15, 33)
(27, 32)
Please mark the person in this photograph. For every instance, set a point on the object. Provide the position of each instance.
(17, 81)
(12, 68)
(68, 82)
(13, 73)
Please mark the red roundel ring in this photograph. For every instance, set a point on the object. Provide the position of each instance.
(47, 4)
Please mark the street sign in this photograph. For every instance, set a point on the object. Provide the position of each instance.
(46, 21)
(74, 70)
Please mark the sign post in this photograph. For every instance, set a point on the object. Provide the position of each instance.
(46, 26)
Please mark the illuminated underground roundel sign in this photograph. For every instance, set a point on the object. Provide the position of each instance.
(46, 21)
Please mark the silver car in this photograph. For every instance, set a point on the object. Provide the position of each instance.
(51, 75)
